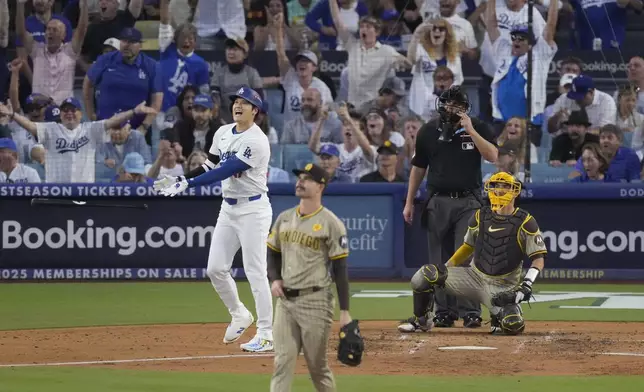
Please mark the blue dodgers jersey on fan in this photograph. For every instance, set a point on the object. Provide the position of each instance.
(123, 86)
(178, 71)
(510, 94)
(604, 18)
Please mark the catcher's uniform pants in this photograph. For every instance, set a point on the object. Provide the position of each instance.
(303, 324)
(469, 282)
(447, 219)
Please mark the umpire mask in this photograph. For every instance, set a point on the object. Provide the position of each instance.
(501, 189)
(449, 105)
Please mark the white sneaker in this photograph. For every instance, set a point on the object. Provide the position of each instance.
(237, 327)
(257, 345)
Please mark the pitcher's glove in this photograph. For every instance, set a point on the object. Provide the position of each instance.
(351, 344)
(520, 293)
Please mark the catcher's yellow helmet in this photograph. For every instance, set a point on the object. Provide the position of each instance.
(502, 188)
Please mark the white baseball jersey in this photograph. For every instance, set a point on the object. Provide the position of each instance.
(293, 90)
(250, 147)
(354, 164)
(21, 174)
(24, 141)
(506, 21)
(70, 154)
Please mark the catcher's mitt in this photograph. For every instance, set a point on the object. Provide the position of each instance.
(351, 344)
(520, 293)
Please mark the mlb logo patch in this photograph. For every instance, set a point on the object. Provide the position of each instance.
(467, 146)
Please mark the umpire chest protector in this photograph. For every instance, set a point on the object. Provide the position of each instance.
(497, 249)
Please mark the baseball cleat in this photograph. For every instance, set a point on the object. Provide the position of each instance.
(472, 321)
(415, 324)
(495, 326)
(443, 321)
(237, 327)
(257, 345)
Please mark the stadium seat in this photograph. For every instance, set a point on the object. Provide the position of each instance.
(628, 139)
(487, 168)
(148, 28)
(150, 44)
(39, 168)
(104, 173)
(276, 156)
(296, 156)
(544, 173)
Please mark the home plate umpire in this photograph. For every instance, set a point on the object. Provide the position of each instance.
(449, 151)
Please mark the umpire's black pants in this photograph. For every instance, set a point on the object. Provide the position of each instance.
(447, 218)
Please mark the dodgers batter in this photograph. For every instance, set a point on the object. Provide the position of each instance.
(239, 158)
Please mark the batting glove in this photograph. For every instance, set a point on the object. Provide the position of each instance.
(165, 181)
(176, 188)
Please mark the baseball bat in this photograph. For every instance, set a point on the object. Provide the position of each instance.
(77, 203)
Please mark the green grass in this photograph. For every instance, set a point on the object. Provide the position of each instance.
(26, 306)
(53, 305)
(109, 380)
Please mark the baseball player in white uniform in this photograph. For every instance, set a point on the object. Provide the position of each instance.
(238, 158)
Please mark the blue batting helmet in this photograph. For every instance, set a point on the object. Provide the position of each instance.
(249, 95)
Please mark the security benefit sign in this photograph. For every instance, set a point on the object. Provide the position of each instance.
(171, 233)
(369, 226)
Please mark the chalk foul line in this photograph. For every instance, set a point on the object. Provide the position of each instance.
(139, 360)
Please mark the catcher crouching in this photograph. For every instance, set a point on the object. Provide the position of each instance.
(499, 236)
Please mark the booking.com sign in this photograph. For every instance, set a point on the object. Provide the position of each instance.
(569, 244)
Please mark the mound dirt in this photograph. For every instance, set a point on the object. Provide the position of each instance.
(547, 348)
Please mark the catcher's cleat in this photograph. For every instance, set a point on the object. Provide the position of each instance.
(443, 321)
(472, 321)
(495, 326)
(415, 324)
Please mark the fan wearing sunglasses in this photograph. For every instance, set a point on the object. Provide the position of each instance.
(509, 87)
(433, 45)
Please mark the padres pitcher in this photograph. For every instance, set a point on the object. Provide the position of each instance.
(499, 236)
(306, 242)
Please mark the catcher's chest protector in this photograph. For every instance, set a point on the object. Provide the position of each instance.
(497, 250)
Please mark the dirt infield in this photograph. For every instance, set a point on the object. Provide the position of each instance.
(547, 348)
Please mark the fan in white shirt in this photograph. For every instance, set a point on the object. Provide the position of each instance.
(166, 163)
(463, 30)
(299, 78)
(71, 145)
(510, 87)
(214, 16)
(10, 170)
(434, 44)
(357, 156)
(509, 15)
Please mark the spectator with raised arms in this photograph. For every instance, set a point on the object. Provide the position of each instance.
(71, 145)
(509, 87)
(179, 64)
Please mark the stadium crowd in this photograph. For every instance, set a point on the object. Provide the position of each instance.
(149, 104)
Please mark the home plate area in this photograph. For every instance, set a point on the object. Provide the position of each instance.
(546, 348)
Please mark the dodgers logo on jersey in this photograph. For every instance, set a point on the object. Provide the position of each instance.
(247, 153)
(63, 146)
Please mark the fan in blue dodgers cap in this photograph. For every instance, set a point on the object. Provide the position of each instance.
(125, 78)
(11, 170)
(509, 87)
(70, 146)
(242, 153)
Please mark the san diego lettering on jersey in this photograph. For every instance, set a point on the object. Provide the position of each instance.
(63, 145)
(300, 238)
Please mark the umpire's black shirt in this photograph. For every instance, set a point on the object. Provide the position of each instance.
(451, 166)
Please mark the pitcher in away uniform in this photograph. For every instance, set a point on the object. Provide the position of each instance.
(242, 151)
